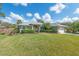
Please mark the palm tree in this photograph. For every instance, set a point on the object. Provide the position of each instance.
(18, 21)
(17, 25)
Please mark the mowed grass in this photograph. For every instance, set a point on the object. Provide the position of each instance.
(39, 44)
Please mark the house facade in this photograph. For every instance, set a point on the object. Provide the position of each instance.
(32, 25)
(61, 29)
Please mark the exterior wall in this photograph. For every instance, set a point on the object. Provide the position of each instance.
(61, 30)
(36, 29)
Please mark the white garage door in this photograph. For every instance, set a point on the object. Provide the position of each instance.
(61, 31)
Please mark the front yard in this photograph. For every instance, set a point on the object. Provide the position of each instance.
(39, 44)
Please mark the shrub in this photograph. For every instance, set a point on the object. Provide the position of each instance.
(53, 29)
(28, 31)
(16, 30)
(2, 33)
(49, 31)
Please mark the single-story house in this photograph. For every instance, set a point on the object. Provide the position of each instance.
(30, 25)
(60, 28)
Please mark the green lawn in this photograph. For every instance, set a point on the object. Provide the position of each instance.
(39, 44)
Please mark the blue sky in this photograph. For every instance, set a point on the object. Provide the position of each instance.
(51, 11)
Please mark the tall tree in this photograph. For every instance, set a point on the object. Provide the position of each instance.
(47, 26)
(73, 27)
(18, 21)
(17, 25)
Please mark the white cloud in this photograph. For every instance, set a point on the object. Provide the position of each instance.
(76, 11)
(22, 4)
(58, 7)
(7, 19)
(29, 14)
(33, 20)
(26, 21)
(13, 17)
(16, 16)
(68, 19)
(37, 16)
(75, 19)
(47, 17)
